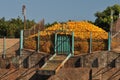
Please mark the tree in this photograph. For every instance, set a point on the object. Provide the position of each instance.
(103, 19)
(3, 27)
(12, 27)
(49, 25)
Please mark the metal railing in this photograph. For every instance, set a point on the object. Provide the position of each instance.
(84, 42)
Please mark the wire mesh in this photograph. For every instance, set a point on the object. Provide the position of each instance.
(81, 41)
(1, 45)
(115, 40)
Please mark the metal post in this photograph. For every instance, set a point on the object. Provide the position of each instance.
(24, 22)
(38, 41)
(72, 43)
(4, 47)
(90, 42)
(24, 15)
(21, 41)
(55, 43)
(109, 41)
(111, 24)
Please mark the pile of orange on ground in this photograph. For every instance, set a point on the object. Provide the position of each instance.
(81, 29)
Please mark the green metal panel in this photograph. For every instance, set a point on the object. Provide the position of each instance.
(63, 45)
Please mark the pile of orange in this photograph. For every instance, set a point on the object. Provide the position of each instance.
(82, 30)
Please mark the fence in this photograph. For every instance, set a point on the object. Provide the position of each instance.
(1, 44)
(40, 42)
(115, 40)
(87, 42)
(33, 30)
(9, 46)
(84, 42)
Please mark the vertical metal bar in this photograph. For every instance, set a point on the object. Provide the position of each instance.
(62, 37)
(109, 41)
(55, 46)
(67, 47)
(72, 43)
(21, 41)
(38, 41)
(4, 47)
(67, 42)
(63, 44)
(90, 42)
(111, 24)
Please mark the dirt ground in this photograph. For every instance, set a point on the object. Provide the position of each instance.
(78, 73)
(64, 73)
(16, 74)
(87, 74)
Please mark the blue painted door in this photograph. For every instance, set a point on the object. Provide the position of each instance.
(63, 45)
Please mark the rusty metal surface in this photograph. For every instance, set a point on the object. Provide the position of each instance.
(51, 67)
(54, 63)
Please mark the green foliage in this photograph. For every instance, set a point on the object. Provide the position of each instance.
(104, 18)
(12, 27)
(48, 24)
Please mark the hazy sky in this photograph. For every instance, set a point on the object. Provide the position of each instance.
(54, 10)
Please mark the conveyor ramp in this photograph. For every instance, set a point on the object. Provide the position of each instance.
(64, 48)
(53, 64)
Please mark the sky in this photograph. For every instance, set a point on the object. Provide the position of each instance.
(54, 10)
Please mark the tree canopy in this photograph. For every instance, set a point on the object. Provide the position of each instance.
(104, 18)
(12, 27)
